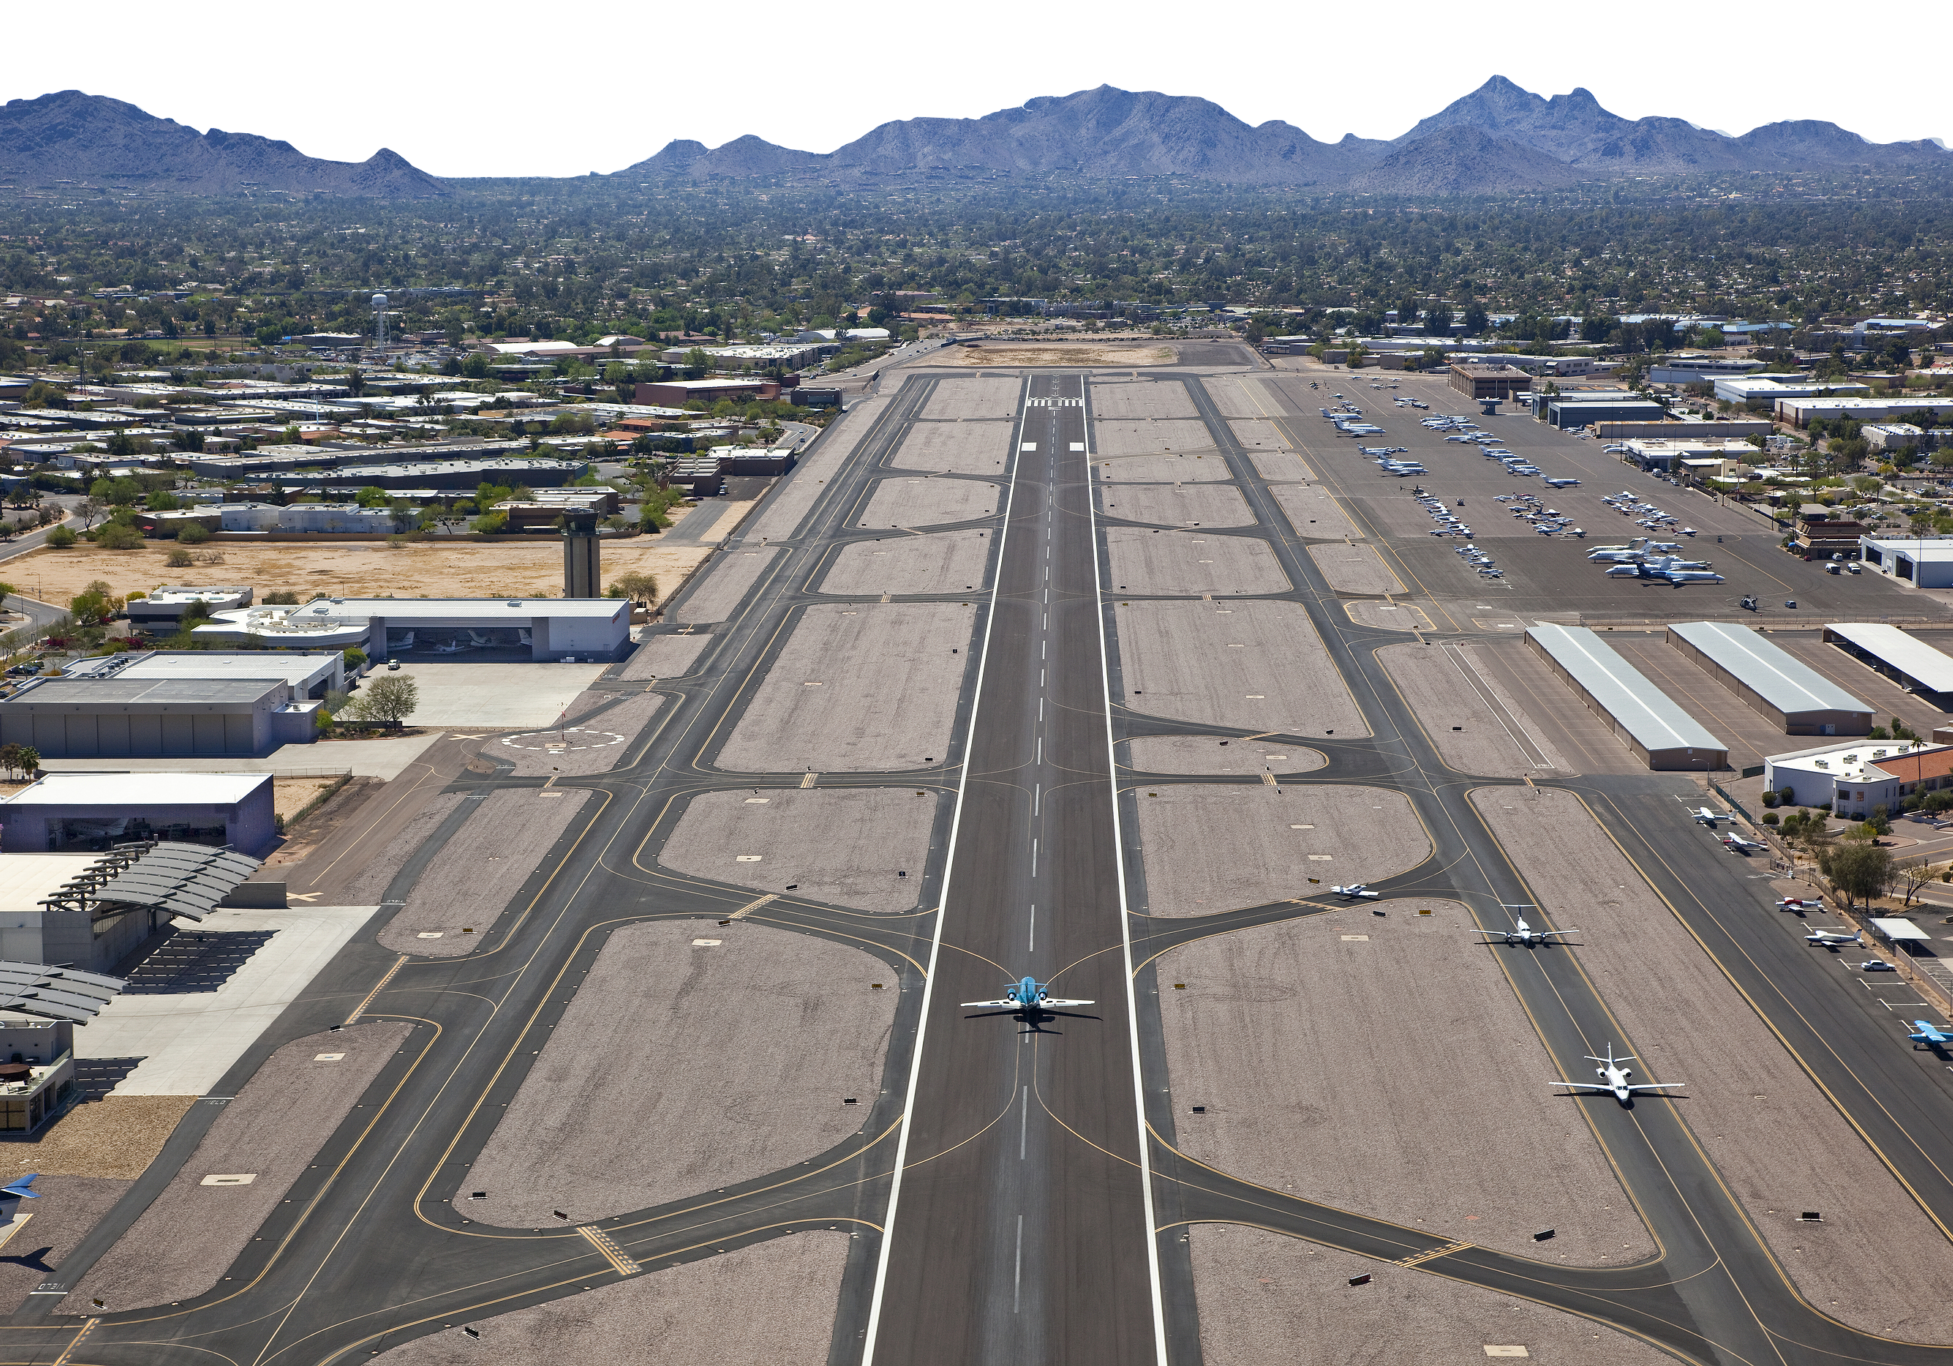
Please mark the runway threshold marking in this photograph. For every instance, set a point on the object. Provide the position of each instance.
(1431, 1254)
(752, 906)
(68, 1353)
(612, 1253)
(378, 987)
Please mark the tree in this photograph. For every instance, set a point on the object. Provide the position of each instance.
(22, 759)
(89, 508)
(118, 536)
(638, 587)
(1476, 319)
(95, 604)
(1859, 872)
(179, 558)
(372, 496)
(475, 366)
(62, 537)
(7, 590)
(1914, 874)
(193, 533)
(390, 699)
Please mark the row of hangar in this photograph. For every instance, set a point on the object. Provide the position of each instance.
(1768, 678)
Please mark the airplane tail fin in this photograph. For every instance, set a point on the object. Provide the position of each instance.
(23, 1186)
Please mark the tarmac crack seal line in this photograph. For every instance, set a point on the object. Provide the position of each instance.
(942, 913)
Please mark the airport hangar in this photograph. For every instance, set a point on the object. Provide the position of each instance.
(1907, 660)
(65, 812)
(1771, 680)
(100, 718)
(549, 630)
(1661, 734)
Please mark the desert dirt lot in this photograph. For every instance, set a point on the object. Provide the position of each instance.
(1063, 354)
(354, 569)
(1877, 1262)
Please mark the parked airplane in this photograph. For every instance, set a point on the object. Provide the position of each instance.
(1562, 483)
(1832, 939)
(1704, 816)
(13, 1192)
(1028, 997)
(1736, 844)
(1799, 903)
(1522, 933)
(1927, 1033)
(1356, 892)
(1678, 577)
(1614, 1078)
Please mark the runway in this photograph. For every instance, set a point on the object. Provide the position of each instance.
(1019, 1228)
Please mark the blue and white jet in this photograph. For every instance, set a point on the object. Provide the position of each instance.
(1029, 998)
(1929, 1034)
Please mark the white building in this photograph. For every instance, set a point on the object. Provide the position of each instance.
(1893, 436)
(543, 629)
(1770, 388)
(1801, 411)
(1856, 778)
(1699, 369)
(1915, 561)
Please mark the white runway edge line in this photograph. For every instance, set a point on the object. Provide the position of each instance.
(942, 915)
(1125, 917)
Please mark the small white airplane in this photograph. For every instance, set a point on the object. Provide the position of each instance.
(1736, 844)
(1832, 939)
(1705, 816)
(1522, 933)
(1926, 1032)
(1356, 891)
(1614, 1078)
(1028, 997)
(1799, 903)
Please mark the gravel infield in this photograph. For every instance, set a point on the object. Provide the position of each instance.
(1222, 847)
(680, 1067)
(1205, 754)
(1254, 665)
(772, 1304)
(716, 595)
(665, 656)
(1142, 398)
(1259, 434)
(1189, 563)
(1875, 1262)
(787, 506)
(189, 1236)
(946, 562)
(857, 686)
(1261, 1294)
(1130, 436)
(1175, 505)
(1314, 513)
(470, 882)
(909, 501)
(114, 1136)
(1163, 469)
(841, 845)
(1355, 569)
(974, 396)
(1237, 396)
(1387, 616)
(1291, 1035)
(1468, 734)
(956, 448)
(70, 1207)
(369, 886)
(1280, 467)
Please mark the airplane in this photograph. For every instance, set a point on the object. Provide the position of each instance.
(1799, 903)
(1356, 892)
(1562, 483)
(1704, 816)
(1678, 577)
(1736, 844)
(1832, 939)
(1614, 1078)
(12, 1193)
(1928, 1033)
(1028, 997)
(1522, 933)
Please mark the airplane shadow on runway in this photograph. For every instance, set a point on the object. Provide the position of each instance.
(1036, 1019)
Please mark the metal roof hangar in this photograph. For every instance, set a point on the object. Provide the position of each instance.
(1911, 662)
(1770, 679)
(1660, 733)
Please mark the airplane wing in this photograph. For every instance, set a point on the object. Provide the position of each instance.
(1586, 1086)
(1654, 1085)
(1543, 934)
(993, 1005)
(1054, 1002)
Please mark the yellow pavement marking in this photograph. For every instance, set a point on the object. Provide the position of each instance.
(808, 779)
(68, 1354)
(1431, 1254)
(612, 1253)
(378, 987)
(752, 906)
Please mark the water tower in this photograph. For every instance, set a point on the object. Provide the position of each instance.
(380, 320)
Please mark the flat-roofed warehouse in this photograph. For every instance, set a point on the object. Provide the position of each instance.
(1909, 661)
(112, 718)
(1647, 720)
(1773, 682)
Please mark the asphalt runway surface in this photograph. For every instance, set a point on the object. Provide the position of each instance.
(999, 1119)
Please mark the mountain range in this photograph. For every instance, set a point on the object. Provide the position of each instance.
(1500, 139)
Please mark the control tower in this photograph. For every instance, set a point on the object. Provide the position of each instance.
(582, 554)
